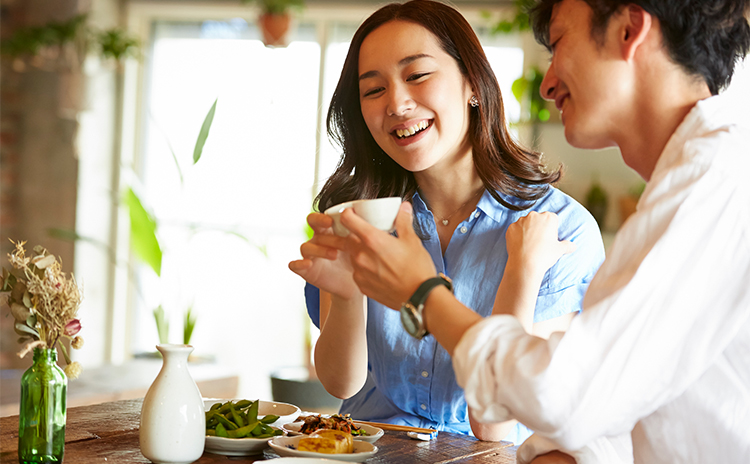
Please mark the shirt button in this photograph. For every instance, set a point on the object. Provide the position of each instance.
(423, 406)
(425, 374)
(464, 229)
(476, 214)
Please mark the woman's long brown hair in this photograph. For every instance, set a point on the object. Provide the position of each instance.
(366, 171)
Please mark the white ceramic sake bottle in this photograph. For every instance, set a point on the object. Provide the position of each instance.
(173, 420)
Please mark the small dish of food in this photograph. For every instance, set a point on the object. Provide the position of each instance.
(329, 444)
(243, 427)
(305, 425)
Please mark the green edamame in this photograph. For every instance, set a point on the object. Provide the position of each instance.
(239, 420)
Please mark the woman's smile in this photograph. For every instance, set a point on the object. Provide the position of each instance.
(406, 134)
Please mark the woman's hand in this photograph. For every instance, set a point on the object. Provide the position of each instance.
(386, 268)
(323, 262)
(533, 245)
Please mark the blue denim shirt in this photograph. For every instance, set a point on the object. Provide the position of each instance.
(411, 382)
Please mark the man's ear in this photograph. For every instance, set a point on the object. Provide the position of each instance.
(635, 26)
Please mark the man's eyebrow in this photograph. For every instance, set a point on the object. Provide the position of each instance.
(404, 61)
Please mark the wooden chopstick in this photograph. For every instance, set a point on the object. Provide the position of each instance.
(398, 428)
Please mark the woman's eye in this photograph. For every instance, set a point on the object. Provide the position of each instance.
(416, 76)
(371, 92)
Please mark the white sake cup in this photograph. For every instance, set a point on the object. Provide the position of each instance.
(378, 212)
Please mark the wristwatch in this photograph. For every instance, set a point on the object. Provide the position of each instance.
(411, 311)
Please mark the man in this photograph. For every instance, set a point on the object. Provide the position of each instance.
(661, 348)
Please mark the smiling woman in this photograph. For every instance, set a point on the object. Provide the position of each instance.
(410, 91)
(251, 190)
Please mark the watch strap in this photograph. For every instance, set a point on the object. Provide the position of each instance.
(420, 296)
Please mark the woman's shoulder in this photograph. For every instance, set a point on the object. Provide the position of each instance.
(555, 201)
(575, 221)
(566, 207)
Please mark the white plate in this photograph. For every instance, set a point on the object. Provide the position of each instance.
(247, 446)
(236, 446)
(373, 433)
(287, 446)
(302, 461)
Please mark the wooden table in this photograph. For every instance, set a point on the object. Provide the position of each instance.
(108, 433)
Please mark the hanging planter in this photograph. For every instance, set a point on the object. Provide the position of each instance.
(274, 28)
(275, 18)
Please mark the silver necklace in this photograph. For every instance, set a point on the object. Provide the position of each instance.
(445, 220)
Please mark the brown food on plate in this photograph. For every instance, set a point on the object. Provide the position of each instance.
(334, 422)
(327, 441)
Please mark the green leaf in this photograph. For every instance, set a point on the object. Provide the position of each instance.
(169, 145)
(203, 135)
(143, 239)
(519, 87)
(162, 325)
(190, 320)
(118, 44)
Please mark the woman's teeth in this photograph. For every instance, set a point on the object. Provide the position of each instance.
(403, 133)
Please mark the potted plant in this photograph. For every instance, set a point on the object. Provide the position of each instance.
(274, 19)
(629, 201)
(597, 202)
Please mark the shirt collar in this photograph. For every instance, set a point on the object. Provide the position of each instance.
(487, 205)
(706, 116)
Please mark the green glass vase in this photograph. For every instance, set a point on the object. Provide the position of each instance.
(41, 421)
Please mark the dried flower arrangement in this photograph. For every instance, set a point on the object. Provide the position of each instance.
(44, 303)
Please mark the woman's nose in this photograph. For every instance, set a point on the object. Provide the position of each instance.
(549, 84)
(400, 102)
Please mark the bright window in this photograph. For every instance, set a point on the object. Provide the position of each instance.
(236, 219)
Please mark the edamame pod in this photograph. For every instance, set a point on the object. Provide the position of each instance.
(252, 413)
(270, 419)
(243, 431)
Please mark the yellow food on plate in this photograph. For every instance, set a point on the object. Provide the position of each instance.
(327, 441)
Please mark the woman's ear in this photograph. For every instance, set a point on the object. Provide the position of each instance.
(635, 26)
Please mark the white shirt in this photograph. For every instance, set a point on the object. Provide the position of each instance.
(662, 347)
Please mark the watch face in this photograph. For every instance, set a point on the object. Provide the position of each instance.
(411, 319)
(408, 319)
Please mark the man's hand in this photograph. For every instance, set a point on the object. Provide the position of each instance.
(386, 268)
(554, 457)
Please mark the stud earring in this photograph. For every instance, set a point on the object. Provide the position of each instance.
(473, 101)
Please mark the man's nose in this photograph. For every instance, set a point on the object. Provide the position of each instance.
(549, 84)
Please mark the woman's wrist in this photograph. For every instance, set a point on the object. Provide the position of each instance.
(524, 270)
(348, 301)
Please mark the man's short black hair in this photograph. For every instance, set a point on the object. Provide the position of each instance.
(705, 37)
